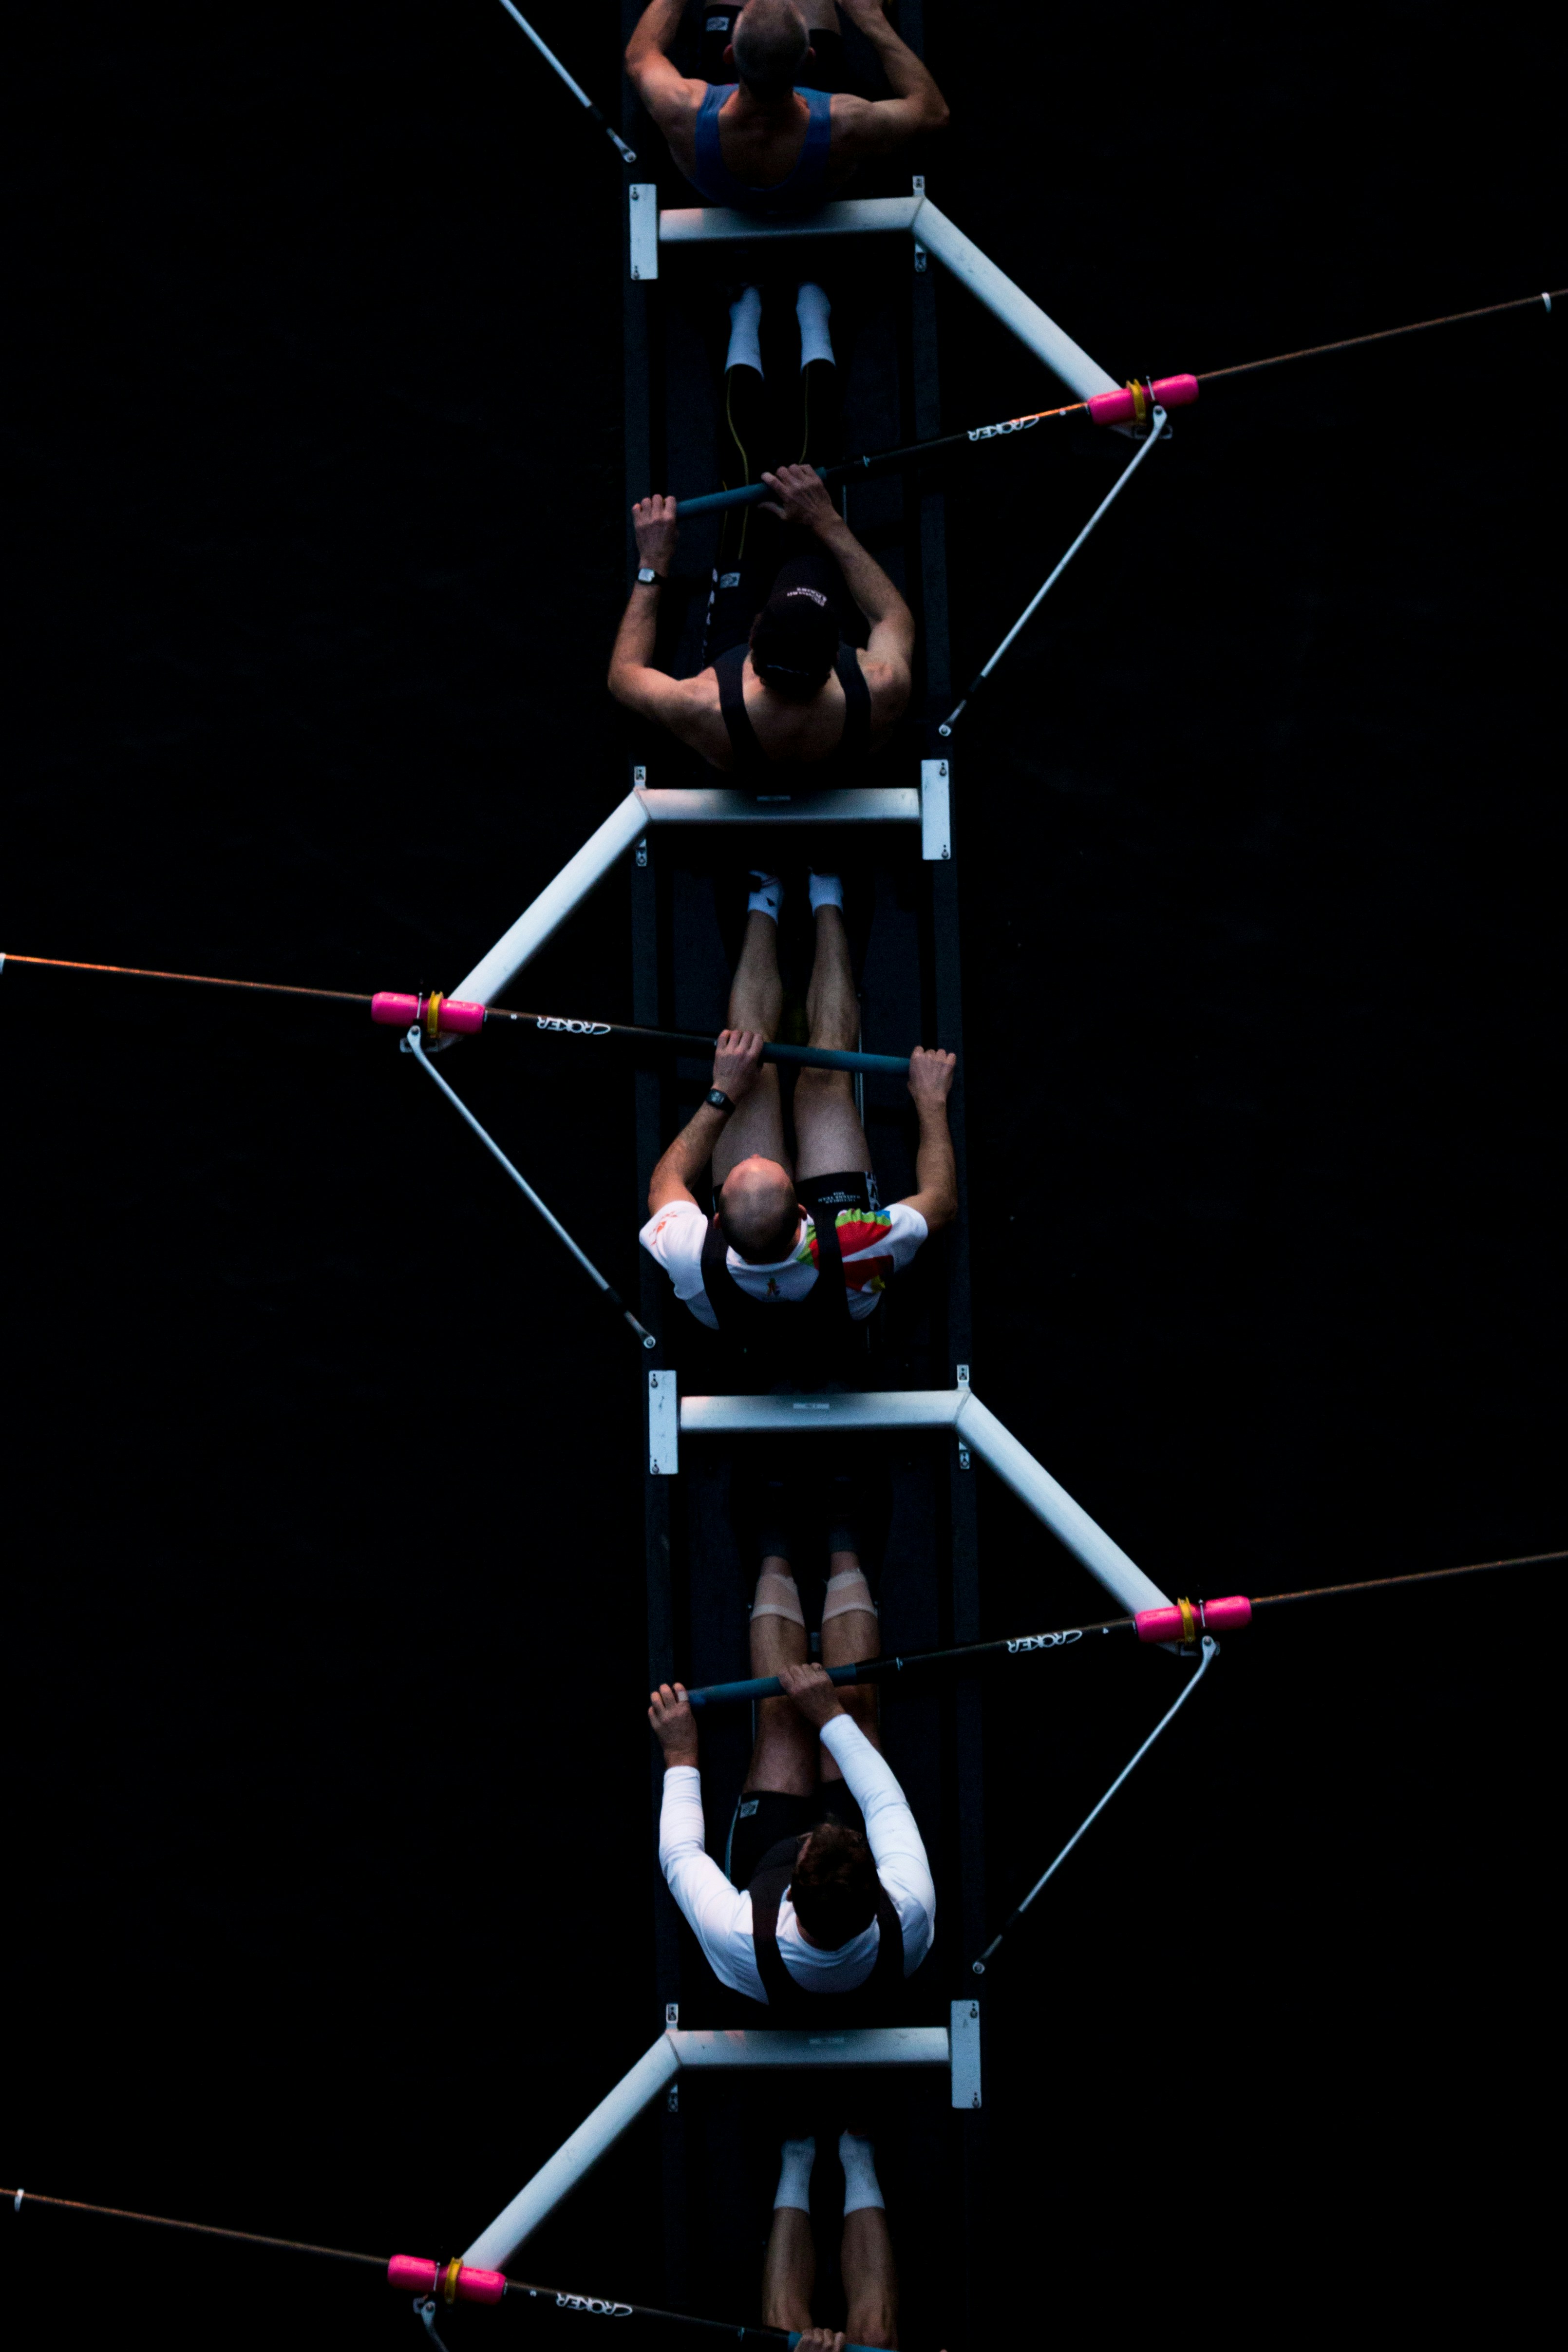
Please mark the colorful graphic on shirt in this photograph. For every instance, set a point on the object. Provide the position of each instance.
(858, 1230)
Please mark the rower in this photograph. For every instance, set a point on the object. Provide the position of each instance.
(792, 693)
(826, 1896)
(770, 127)
(799, 1249)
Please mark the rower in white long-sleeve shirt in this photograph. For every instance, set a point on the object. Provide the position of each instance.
(829, 1891)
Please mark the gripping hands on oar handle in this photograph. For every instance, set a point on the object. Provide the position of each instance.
(765, 1686)
(751, 494)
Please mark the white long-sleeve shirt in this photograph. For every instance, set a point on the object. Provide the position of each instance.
(719, 1915)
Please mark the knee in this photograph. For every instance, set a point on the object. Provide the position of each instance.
(817, 1089)
(786, 2311)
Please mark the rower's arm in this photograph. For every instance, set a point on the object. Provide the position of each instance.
(889, 618)
(667, 94)
(738, 1058)
(633, 679)
(864, 126)
(936, 1194)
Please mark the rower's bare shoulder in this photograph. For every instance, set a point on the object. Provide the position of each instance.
(700, 722)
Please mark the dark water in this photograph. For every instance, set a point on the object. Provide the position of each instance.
(325, 1762)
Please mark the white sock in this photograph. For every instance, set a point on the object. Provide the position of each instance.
(813, 308)
(768, 896)
(795, 2175)
(857, 2156)
(826, 891)
(745, 325)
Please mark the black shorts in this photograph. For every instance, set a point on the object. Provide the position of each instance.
(764, 1817)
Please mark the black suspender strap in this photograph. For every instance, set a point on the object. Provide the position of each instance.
(749, 760)
(768, 1890)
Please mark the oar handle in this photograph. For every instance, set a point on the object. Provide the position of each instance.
(827, 1057)
(716, 501)
(769, 1686)
(795, 2338)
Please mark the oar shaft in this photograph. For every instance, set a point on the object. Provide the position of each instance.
(188, 979)
(1416, 1576)
(689, 1041)
(402, 1012)
(626, 153)
(884, 1669)
(752, 493)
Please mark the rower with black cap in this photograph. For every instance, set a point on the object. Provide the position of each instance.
(796, 693)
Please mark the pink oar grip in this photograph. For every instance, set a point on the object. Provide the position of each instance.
(455, 1017)
(1121, 408)
(1209, 1617)
(416, 2276)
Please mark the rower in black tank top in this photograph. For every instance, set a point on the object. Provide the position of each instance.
(843, 765)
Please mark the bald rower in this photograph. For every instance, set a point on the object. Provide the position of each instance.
(781, 132)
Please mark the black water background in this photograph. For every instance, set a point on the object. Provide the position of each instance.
(324, 1632)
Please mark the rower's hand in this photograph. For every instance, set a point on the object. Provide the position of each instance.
(931, 1073)
(801, 495)
(812, 1692)
(674, 1725)
(737, 1061)
(822, 2339)
(653, 520)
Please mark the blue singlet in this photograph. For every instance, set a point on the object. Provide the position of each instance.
(799, 192)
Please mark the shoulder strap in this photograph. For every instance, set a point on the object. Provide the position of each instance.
(726, 1301)
(728, 669)
(829, 1292)
(767, 1892)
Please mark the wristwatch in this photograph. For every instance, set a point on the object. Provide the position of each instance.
(646, 576)
(717, 1099)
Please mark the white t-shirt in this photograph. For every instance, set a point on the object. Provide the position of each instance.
(873, 1243)
(719, 1915)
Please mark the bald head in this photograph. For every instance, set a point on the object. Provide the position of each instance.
(758, 1213)
(769, 46)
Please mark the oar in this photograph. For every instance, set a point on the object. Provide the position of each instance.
(1186, 1623)
(449, 2281)
(626, 153)
(1130, 406)
(448, 1016)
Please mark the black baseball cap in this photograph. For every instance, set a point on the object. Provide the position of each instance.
(795, 639)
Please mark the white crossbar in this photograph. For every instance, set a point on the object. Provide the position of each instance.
(749, 1416)
(959, 1408)
(874, 2045)
(712, 805)
(911, 2045)
(1035, 329)
(716, 224)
